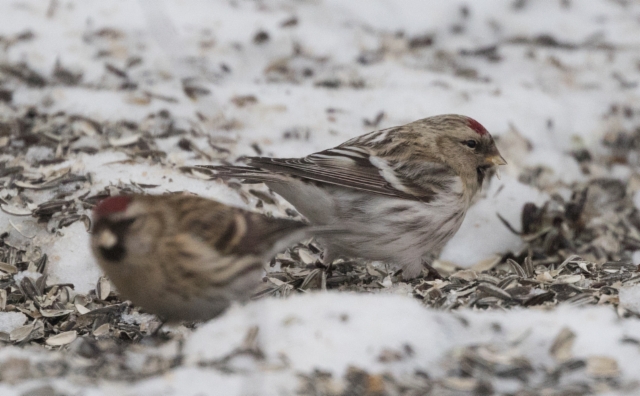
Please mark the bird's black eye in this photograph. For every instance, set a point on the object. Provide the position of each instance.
(470, 143)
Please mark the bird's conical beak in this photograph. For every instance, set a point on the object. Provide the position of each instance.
(495, 159)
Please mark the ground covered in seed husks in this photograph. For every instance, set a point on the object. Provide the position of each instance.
(537, 294)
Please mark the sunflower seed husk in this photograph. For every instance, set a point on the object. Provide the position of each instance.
(8, 268)
(562, 345)
(602, 366)
(101, 330)
(62, 339)
(569, 278)
(516, 268)
(494, 291)
(53, 313)
(13, 210)
(103, 288)
(124, 141)
(82, 309)
(21, 333)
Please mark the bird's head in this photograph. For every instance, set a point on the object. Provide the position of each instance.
(123, 226)
(462, 143)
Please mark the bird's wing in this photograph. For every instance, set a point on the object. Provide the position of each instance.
(354, 167)
(230, 230)
(218, 244)
(349, 165)
(264, 236)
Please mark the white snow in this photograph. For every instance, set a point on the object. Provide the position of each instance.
(319, 331)
(483, 234)
(320, 337)
(38, 153)
(34, 275)
(331, 331)
(630, 297)
(71, 261)
(11, 320)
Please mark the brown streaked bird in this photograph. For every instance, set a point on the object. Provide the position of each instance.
(183, 257)
(402, 192)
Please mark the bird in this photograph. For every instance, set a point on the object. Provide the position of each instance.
(401, 192)
(184, 257)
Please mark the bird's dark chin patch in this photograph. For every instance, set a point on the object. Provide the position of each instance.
(114, 254)
(482, 171)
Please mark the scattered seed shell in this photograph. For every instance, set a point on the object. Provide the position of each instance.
(8, 268)
(602, 366)
(21, 333)
(562, 345)
(82, 309)
(62, 339)
(101, 330)
(54, 313)
(16, 211)
(124, 140)
(103, 288)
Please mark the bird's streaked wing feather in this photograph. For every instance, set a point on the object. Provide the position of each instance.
(345, 166)
(350, 167)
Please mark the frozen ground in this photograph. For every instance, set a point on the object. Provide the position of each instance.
(193, 82)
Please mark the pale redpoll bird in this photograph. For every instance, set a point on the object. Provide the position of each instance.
(402, 192)
(185, 257)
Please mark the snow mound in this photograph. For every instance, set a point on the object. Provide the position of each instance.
(630, 298)
(71, 261)
(482, 234)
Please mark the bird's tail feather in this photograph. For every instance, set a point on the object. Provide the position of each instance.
(225, 172)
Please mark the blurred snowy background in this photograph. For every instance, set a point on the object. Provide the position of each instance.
(119, 95)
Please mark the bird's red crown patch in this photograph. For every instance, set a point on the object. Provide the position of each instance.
(112, 205)
(476, 126)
